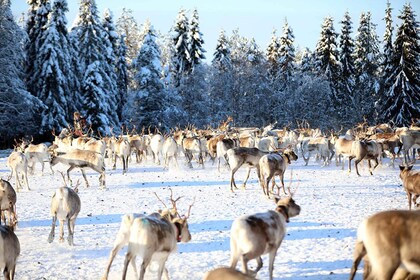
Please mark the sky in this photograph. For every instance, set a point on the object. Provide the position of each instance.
(255, 19)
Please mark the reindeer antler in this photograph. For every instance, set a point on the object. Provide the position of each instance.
(160, 200)
(189, 209)
(174, 202)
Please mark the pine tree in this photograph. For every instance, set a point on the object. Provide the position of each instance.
(347, 77)
(19, 109)
(287, 58)
(328, 65)
(402, 96)
(196, 41)
(54, 74)
(181, 57)
(145, 105)
(98, 87)
(367, 57)
(273, 55)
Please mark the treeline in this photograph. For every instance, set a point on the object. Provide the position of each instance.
(122, 74)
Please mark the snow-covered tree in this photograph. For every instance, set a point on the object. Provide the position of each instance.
(53, 72)
(254, 54)
(328, 64)
(287, 58)
(221, 56)
(196, 41)
(122, 75)
(347, 77)
(37, 20)
(98, 87)
(146, 103)
(19, 109)
(367, 59)
(402, 96)
(128, 26)
(273, 55)
(386, 65)
(181, 57)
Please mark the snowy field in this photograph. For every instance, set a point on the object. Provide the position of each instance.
(319, 243)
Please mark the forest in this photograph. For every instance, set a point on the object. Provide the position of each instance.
(123, 75)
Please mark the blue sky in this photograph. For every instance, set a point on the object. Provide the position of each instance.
(253, 18)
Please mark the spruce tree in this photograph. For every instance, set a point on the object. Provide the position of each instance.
(273, 55)
(402, 95)
(347, 76)
(196, 41)
(386, 65)
(98, 86)
(36, 26)
(287, 58)
(19, 109)
(181, 57)
(54, 75)
(146, 104)
(221, 56)
(328, 65)
(122, 75)
(367, 58)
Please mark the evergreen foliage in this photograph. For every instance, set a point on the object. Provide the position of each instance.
(402, 94)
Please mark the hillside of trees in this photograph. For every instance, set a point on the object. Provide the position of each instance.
(120, 73)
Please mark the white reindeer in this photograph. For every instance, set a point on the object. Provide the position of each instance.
(18, 164)
(275, 164)
(156, 143)
(254, 235)
(65, 206)
(9, 252)
(82, 159)
(122, 151)
(170, 151)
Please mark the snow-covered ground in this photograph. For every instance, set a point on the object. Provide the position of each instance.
(318, 245)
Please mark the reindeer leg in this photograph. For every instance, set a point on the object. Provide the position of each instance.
(70, 224)
(415, 200)
(356, 162)
(61, 235)
(84, 177)
(271, 257)
(51, 236)
(409, 200)
(259, 265)
(145, 263)
(68, 174)
(245, 260)
(127, 259)
(246, 178)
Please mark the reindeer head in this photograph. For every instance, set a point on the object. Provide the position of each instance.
(174, 217)
(404, 169)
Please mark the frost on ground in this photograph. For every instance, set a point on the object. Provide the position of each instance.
(319, 243)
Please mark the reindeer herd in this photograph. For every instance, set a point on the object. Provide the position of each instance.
(387, 242)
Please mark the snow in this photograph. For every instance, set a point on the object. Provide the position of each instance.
(319, 243)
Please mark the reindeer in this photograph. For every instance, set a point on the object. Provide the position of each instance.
(222, 147)
(9, 252)
(226, 273)
(153, 237)
(18, 164)
(170, 151)
(192, 146)
(239, 156)
(170, 215)
(156, 143)
(8, 204)
(122, 151)
(275, 164)
(411, 183)
(35, 153)
(261, 233)
(65, 206)
(389, 239)
(82, 159)
(353, 149)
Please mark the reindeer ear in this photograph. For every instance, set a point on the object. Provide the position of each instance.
(410, 167)
(402, 167)
(276, 199)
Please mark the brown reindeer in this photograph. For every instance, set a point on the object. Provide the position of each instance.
(411, 183)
